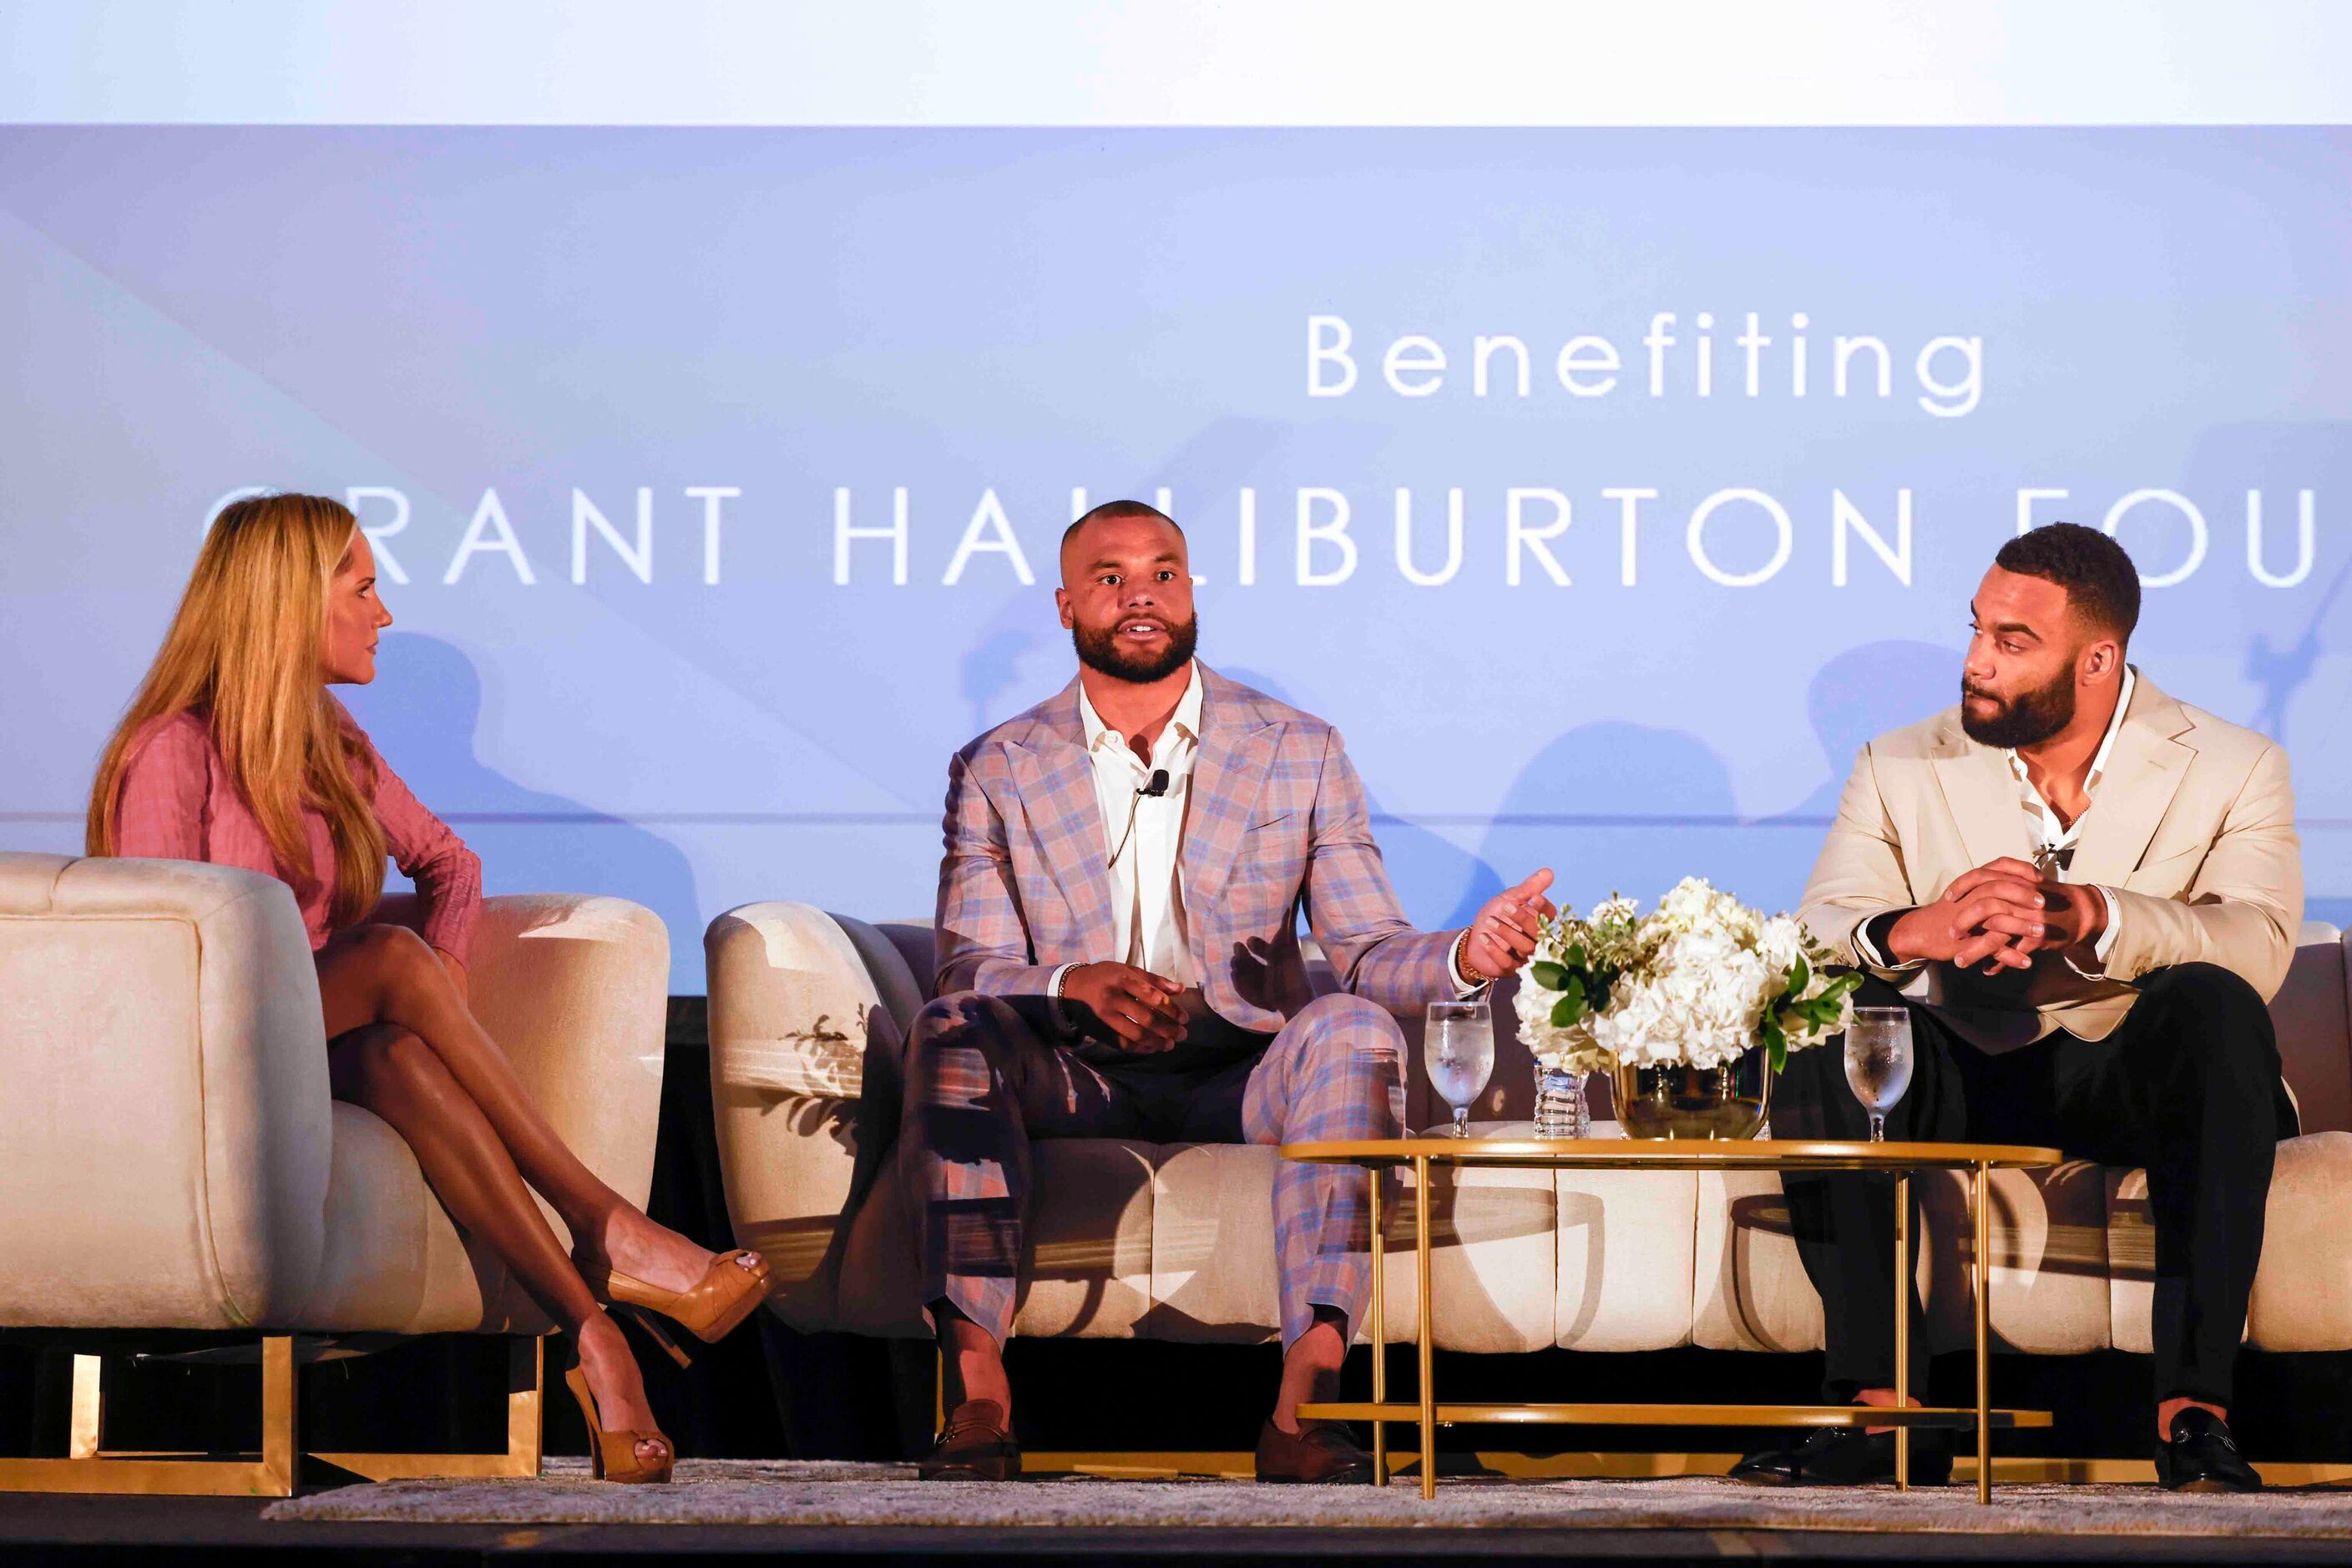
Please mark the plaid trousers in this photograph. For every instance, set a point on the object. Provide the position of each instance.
(981, 1079)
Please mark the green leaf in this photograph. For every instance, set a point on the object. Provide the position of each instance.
(1575, 956)
(1567, 1011)
(1777, 1053)
(1548, 974)
(1800, 976)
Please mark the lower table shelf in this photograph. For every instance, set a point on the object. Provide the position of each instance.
(1677, 1414)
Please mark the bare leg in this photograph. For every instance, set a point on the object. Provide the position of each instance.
(1310, 1368)
(386, 1070)
(386, 975)
(971, 1359)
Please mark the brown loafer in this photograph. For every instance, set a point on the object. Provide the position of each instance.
(976, 1446)
(1323, 1453)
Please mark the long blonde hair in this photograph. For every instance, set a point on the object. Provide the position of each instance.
(243, 654)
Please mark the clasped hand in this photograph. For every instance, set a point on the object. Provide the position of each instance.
(1998, 917)
(1136, 1006)
(1139, 1008)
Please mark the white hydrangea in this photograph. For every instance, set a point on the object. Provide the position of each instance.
(1699, 982)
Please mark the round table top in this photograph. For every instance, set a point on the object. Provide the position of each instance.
(1673, 1153)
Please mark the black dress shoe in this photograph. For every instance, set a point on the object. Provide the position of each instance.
(978, 1445)
(2201, 1457)
(1321, 1454)
(1847, 1457)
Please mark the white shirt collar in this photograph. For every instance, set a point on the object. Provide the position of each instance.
(1185, 719)
(2107, 742)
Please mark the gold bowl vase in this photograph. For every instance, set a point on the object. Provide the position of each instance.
(1721, 1103)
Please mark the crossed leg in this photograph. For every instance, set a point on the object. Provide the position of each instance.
(403, 1044)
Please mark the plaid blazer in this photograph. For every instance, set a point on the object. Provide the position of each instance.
(1277, 820)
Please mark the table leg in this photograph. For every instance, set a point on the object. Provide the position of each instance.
(1903, 1326)
(1981, 1205)
(1420, 1262)
(1380, 1336)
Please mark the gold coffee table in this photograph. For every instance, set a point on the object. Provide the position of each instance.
(1901, 1160)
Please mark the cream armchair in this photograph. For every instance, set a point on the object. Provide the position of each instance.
(174, 1161)
(1175, 1242)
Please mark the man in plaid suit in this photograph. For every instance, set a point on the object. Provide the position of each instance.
(1119, 957)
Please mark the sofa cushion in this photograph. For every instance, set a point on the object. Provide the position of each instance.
(394, 1263)
(2048, 1231)
(1213, 1274)
(1626, 1256)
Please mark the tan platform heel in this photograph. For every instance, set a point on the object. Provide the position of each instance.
(710, 1309)
(613, 1456)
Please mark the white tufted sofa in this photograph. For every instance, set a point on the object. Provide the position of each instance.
(1175, 1242)
(174, 1159)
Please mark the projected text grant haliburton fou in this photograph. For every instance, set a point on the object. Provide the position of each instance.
(1310, 537)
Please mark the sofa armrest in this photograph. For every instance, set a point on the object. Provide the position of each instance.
(2314, 1035)
(164, 1122)
(575, 988)
(793, 1008)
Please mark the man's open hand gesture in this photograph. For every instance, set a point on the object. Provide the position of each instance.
(1502, 936)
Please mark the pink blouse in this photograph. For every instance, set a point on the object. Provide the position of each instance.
(179, 804)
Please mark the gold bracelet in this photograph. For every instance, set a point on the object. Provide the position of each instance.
(1468, 970)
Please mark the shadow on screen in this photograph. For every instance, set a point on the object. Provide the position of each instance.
(1863, 693)
(423, 711)
(1619, 808)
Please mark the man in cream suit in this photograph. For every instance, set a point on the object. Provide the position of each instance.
(2086, 892)
(1119, 957)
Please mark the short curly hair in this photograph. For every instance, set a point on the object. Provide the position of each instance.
(2100, 580)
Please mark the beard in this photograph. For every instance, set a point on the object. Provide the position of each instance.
(2026, 720)
(1099, 651)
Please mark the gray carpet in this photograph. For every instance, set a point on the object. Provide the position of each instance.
(716, 1492)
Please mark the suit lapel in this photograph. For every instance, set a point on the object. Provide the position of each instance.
(1983, 794)
(1055, 780)
(1229, 770)
(2144, 771)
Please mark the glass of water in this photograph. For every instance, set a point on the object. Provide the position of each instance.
(1458, 1044)
(1878, 1061)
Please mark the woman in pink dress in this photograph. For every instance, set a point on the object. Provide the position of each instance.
(233, 753)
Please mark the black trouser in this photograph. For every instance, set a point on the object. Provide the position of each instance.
(2186, 1086)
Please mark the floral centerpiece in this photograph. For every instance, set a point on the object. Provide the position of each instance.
(1692, 1008)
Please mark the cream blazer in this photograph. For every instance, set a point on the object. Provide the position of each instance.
(2192, 827)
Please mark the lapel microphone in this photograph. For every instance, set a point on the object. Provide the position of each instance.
(1157, 787)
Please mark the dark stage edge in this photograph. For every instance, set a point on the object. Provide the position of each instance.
(157, 1531)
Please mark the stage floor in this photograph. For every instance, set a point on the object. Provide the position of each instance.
(565, 1519)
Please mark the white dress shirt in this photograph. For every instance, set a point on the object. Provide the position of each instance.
(2054, 840)
(1144, 834)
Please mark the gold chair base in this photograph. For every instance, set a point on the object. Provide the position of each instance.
(89, 1467)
